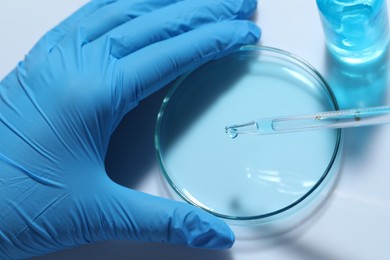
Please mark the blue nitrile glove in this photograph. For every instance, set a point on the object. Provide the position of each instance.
(60, 105)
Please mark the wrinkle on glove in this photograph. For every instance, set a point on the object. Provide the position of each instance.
(59, 107)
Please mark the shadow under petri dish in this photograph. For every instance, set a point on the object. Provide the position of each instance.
(249, 177)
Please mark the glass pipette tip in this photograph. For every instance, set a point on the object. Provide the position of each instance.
(324, 120)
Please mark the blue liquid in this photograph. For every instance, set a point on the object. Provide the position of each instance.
(231, 133)
(356, 30)
(251, 175)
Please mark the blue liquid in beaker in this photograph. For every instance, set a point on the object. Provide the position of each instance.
(356, 30)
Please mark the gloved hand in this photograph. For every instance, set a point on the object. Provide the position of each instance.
(60, 105)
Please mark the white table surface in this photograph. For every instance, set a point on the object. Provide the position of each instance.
(353, 223)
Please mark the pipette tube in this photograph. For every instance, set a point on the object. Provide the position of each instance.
(324, 120)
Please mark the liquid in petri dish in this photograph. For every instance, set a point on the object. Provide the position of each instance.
(356, 31)
(251, 175)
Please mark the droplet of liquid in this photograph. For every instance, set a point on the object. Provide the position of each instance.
(231, 132)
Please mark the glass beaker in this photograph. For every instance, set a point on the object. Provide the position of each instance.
(356, 31)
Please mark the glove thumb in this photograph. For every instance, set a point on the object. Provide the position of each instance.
(127, 214)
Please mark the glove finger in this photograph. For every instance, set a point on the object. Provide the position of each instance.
(126, 214)
(55, 35)
(172, 21)
(118, 13)
(147, 70)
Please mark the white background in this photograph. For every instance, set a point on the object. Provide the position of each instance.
(354, 222)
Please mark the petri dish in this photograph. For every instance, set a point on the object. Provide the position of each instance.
(248, 179)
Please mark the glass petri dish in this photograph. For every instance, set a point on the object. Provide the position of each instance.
(249, 179)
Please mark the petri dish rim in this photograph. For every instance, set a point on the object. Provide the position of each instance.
(282, 55)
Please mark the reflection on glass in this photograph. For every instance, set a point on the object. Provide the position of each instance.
(358, 85)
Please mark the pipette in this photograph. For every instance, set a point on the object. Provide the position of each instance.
(324, 120)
